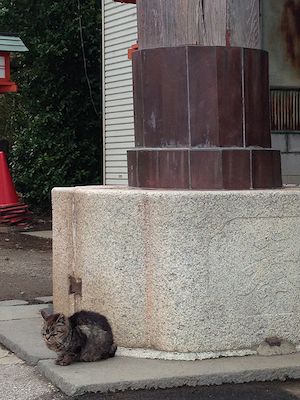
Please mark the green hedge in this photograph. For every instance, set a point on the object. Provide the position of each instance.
(54, 121)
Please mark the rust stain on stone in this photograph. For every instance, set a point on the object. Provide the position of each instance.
(290, 28)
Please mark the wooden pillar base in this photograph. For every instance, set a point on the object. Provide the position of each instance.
(202, 119)
(219, 168)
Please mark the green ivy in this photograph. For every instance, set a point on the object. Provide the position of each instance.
(54, 121)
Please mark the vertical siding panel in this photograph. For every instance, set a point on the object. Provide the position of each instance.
(119, 27)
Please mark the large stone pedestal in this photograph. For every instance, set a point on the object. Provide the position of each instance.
(185, 271)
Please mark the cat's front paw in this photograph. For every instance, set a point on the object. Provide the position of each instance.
(63, 361)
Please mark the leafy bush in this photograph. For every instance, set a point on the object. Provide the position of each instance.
(54, 122)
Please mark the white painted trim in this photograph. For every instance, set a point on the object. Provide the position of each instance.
(103, 95)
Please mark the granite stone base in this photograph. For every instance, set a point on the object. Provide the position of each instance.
(180, 271)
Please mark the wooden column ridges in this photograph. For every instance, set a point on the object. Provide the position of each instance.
(202, 119)
(201, 97)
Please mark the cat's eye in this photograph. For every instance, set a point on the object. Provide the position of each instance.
(49, 332)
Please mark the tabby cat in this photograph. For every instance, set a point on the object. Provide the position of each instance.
(85, 336)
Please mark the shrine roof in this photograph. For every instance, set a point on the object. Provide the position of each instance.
(9, 43)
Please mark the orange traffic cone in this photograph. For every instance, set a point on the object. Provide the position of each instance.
(8, 194)
(12, 212)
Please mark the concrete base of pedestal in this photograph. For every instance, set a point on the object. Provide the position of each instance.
(180, 271)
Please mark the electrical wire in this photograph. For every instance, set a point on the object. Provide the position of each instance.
(85, 61)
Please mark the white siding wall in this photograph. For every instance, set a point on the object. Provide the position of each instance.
(119, 34)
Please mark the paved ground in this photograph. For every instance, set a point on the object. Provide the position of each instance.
(252, 391)
(25, 262)
(20, 333)
(18, 381)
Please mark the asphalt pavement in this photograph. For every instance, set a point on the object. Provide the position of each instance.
(251, 391)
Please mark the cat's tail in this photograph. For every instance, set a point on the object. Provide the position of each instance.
(112, 350)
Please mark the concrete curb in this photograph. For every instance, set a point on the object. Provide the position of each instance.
(40, 234)
(20, 332)
(124, 373)
(31, 349)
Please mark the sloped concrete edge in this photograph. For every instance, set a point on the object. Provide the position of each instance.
(20, 332)
(19, 351)
(170, 375)
(65, 385)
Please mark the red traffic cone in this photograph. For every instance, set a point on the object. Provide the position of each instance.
(8, 194)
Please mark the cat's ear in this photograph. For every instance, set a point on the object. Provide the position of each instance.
(44, 315)
(60, 319)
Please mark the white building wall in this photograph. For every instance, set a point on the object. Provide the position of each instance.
(119, 27)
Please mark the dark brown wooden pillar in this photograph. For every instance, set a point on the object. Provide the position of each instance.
(201, 98)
